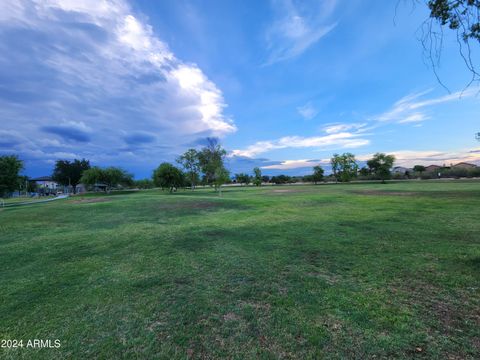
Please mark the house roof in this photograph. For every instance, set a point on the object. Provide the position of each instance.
(42, 178)
(464, 163)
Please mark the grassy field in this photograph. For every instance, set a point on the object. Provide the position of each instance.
(328, 271)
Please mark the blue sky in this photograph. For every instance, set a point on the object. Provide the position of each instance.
(283, 84)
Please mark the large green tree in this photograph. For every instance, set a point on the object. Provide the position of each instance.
(111, 176)
(70, 172)
(344, 167)
(419, 169)
(27, 185)
(190, 162)
(257, 176)
(115, 176)
(460, 16)
(10, 167)
(317, 175)
(168, 176)
(144, 184)
(380, 165)
(280, 179)
(221, 177)
(211, 160)
(94, 175)
(242, 178)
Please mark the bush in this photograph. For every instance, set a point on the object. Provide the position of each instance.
(144, 184)
(398, 176)
(475, 172)
(280, 179)
(168, 177)
(428, 175)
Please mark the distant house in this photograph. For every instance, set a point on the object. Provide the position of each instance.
(46, 185)
(100, 187)
(433, 168)
(401, 170)
(81, 188)
(464, 165)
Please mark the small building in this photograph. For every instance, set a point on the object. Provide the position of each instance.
(402, 170)
(82, 188)
(100, 187)
(464, 165)
(46, 185)
(433, 168)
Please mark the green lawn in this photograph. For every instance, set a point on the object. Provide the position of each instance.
(328, 271)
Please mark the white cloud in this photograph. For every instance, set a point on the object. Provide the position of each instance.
(336, 128)
(295, 164)
(337, 140)
(407, 158)
(297, 26)
(416, 117)
(410, 158)
(411, 108)
(307, 111)
(92, 71)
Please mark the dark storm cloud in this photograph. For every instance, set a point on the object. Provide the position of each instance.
(67, 133)
(139, 137)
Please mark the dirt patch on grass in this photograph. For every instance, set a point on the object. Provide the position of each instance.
(286, 191)
(260, 306)
(231, 316)
(332, 323)
(215, 234)
(89, 200)
(155, 325)
(476, 343)
(197, 205)
(445, 314)
(431, 194)
(330, 279)
(386, 193)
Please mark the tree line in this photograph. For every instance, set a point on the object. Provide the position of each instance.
(206, 167)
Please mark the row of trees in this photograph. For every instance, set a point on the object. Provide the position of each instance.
(66, 173)
(256, 179)
(345, 167)
(71, 173)
(445, 172)
(110, 177)
(205, 166)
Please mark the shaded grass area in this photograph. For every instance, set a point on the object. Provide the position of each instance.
(328, 271)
